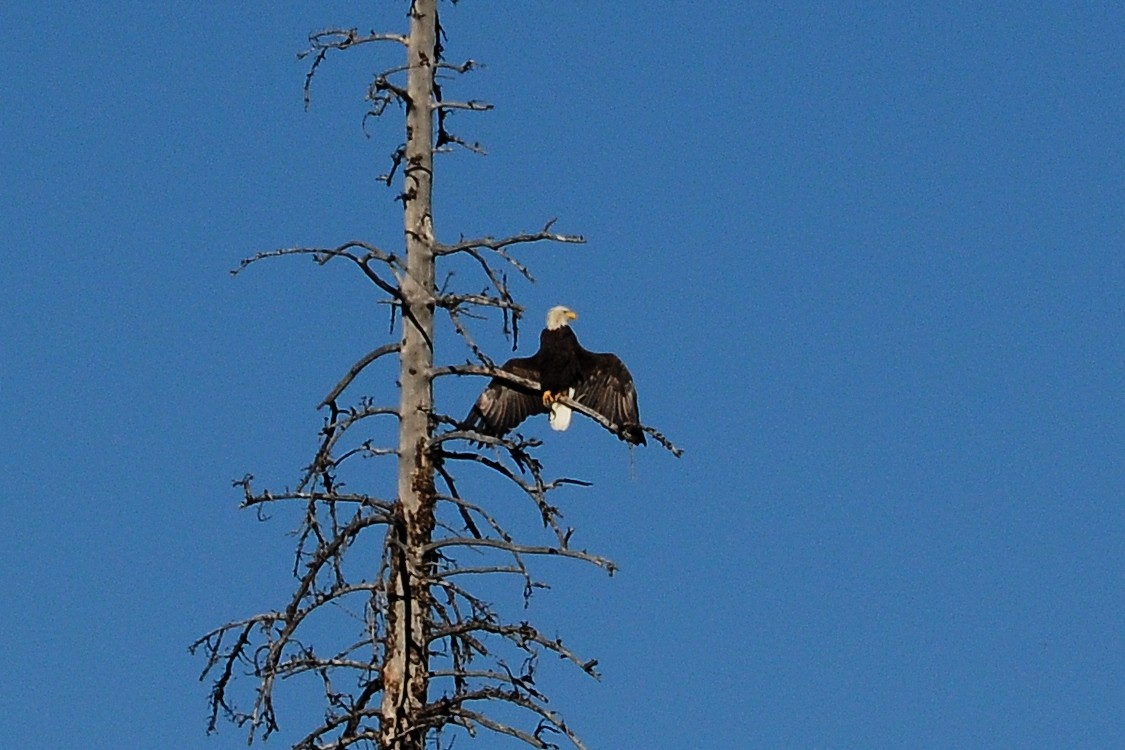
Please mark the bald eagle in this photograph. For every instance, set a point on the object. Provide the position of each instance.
(561, 367)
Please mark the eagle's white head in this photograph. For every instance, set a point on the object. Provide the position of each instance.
(559, 316)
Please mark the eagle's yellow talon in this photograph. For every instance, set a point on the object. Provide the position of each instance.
(548, 398)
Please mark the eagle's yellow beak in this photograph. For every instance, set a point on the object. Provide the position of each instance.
(572, 315)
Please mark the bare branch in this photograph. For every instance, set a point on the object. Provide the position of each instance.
(492, 372)
(468, 718)
(334, 429)
(356, 369)
(321, 42)
(463, 332)
(461, 69)
(491, 243)
(523, 634)
(318, 497)
(472, 105)
(606, 564)
(322, 255)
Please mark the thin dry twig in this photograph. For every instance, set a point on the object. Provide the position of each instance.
(357, 368)
(491, 243)
(320, 42)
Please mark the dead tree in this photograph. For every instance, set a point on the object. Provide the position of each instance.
(414, 656)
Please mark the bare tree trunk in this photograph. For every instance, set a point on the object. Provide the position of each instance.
(405, 666)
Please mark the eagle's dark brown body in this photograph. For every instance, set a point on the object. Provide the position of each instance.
(600, 382)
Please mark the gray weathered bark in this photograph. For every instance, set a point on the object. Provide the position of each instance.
(405, 665)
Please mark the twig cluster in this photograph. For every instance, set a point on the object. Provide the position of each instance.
(466, 629)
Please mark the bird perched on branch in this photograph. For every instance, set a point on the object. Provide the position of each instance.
(562, 367)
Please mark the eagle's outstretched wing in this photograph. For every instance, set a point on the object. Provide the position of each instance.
(503, 404)
(607, 388)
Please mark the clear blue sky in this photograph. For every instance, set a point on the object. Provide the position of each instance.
(866, 264)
